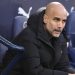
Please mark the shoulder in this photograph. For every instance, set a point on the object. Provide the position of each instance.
(27, 35)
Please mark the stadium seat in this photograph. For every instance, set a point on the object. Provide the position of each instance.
(11, 23)
(7, 67)
(70, 28)
(8, 10)
(20, 23)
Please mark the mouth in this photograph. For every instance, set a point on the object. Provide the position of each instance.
(57, 31)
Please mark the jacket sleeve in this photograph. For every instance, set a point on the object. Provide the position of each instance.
(34, 67)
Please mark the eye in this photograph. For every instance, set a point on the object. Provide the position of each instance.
(56, 19)
(64, 21)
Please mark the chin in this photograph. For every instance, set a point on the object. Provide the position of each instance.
(56, 35)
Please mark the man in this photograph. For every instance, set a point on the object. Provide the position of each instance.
(46, 52)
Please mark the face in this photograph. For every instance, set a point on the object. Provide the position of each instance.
(55, 22)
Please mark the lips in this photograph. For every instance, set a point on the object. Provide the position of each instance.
(57, 30)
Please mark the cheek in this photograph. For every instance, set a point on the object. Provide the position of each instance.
(63, 26)
(49, 27)
(52, 25)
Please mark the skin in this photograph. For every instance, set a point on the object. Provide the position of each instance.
(55, 18)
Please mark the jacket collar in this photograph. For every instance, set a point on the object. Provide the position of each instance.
(41, 32)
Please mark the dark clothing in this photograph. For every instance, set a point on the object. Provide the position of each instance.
(41, 57)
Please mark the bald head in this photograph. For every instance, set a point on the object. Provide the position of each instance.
(55, 6)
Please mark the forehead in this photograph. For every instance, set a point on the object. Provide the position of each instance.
(61, 13)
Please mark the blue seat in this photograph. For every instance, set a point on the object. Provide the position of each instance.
(8, 10)
(11, 24)
(7, 47)
(20, 23)
(16, 58)
(70, 28)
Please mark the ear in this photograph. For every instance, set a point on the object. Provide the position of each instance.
(45, 18)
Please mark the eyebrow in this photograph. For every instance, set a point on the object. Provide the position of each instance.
(58, 19)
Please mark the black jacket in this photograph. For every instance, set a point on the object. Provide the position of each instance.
(41, 58)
